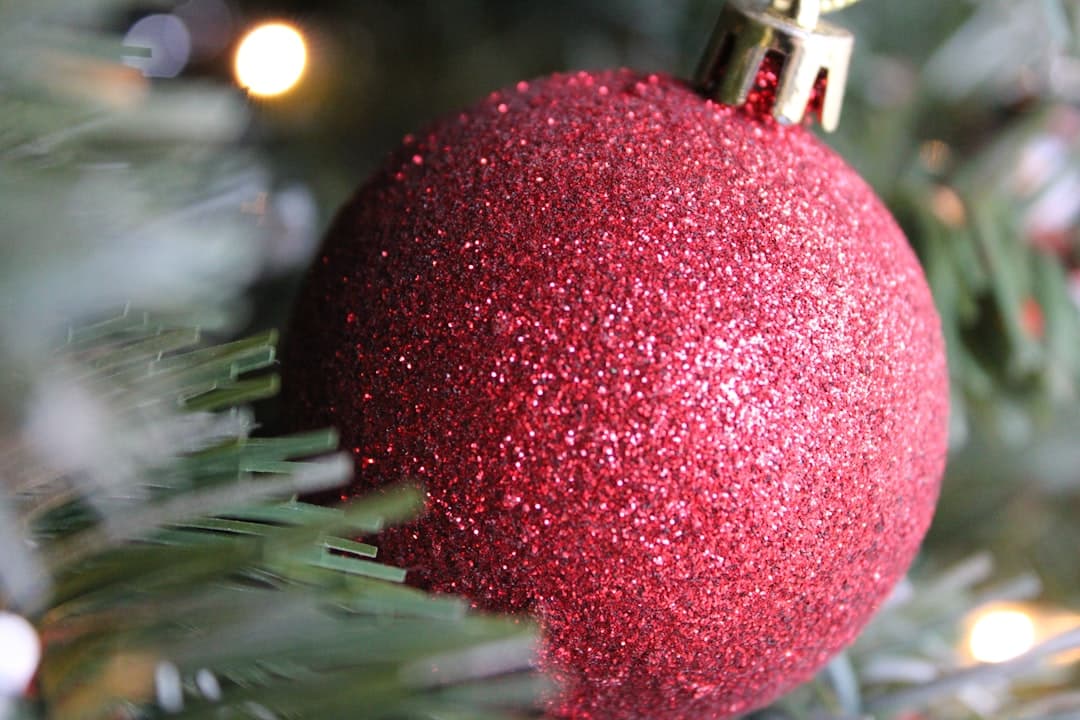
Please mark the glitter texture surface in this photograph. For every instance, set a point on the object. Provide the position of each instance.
(670, 373)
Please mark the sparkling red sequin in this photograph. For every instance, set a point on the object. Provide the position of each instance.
(670, 373)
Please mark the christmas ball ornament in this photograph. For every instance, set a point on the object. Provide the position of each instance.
(668, 370)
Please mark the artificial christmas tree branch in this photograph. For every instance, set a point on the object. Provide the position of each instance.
(149, 538)
(198, 577)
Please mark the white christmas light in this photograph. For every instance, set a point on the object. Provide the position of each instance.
(1001, 634)
(271, 59)
(20, 652)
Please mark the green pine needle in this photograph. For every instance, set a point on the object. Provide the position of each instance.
(205, 589)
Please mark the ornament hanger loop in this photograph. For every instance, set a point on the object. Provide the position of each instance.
(805, 13)
(825, 6)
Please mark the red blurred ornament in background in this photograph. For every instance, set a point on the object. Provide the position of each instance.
(669, 371)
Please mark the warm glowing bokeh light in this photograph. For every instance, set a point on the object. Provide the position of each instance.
(1001, 634)
(20, 655)
(271, 59)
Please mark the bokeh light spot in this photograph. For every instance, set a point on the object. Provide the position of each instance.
(271, 59)
(998, 635)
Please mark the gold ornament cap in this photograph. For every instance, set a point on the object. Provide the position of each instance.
(747, 31)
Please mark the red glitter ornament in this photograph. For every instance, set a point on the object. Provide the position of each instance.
(669, 372)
